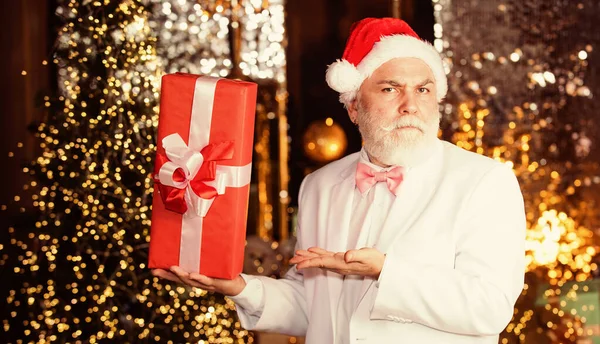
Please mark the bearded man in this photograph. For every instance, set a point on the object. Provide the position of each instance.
(410, 240)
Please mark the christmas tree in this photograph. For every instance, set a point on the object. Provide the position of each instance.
(79, 265)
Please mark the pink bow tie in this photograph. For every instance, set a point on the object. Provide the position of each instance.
(366, 177)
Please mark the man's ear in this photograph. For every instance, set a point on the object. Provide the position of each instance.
(353, 110)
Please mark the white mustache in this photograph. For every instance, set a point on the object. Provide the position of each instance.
(404, 122)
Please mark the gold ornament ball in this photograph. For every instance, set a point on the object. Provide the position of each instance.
(324, 141)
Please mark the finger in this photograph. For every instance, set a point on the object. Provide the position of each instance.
(298, 258)
(305, 253)
(178, 271)
(350, 256)
(157, 272)
(360, 256)
(202, 279)
(166, 275)
(339, 256)
(324, 262)
(321, 251)
(185, 277)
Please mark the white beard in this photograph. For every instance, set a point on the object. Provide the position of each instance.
(398, 155)
(399, 147)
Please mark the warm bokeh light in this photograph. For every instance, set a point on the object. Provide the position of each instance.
(324, 141)
(524, 98)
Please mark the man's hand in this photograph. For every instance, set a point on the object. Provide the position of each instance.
(363, 262)
(222, 286)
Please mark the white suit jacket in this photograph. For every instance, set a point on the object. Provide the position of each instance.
(455, 256)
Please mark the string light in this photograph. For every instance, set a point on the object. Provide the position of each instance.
(194, 37)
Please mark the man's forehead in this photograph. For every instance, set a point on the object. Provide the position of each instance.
(407, 61)
(404, 68)
(404, 81)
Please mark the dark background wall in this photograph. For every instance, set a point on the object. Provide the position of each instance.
(25, 37)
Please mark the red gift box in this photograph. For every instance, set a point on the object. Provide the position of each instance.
(202, 174)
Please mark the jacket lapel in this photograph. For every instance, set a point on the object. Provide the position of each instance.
(338, 223)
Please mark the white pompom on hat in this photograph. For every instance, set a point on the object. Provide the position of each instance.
(373, 42)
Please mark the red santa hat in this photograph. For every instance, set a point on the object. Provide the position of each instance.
(373, 42)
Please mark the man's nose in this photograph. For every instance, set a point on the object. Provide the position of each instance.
(408, 104)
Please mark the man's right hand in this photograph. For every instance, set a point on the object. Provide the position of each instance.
(226, 287)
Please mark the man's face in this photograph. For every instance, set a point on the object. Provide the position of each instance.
(396, 109)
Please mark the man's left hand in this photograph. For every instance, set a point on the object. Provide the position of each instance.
(364, 262)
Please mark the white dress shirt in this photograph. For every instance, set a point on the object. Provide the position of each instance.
(369, 213)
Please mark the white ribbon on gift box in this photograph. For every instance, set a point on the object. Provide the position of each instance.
(189, 159)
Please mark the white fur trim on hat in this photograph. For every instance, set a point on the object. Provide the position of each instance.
(343, 77)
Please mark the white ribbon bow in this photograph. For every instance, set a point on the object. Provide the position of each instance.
(181, 157)
(190, 162)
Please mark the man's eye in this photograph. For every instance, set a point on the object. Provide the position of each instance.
(388, 90)
(423, 90)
